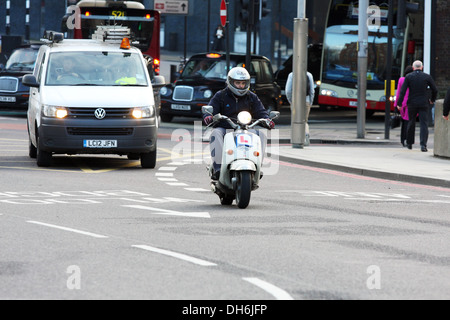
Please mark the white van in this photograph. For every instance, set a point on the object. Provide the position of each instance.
(91, 97)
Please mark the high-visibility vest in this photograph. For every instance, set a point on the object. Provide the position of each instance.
(126, 80)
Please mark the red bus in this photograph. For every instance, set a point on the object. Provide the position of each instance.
(144, 24)
(339, 71)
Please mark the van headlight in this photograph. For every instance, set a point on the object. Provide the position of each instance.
(55, 111)
(143, 112)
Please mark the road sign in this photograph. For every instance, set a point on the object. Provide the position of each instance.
(223, 13)
(172, 6)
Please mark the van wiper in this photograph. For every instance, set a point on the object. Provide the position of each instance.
(85, 84)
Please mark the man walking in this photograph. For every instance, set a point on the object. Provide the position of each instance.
(418, 103)
(309, 98)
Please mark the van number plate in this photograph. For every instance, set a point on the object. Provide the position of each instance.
(100, 143)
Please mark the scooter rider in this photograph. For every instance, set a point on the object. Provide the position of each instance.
(235, 98)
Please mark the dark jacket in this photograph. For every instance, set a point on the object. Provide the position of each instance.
(227, 104)
(418, 83)
(446, 104)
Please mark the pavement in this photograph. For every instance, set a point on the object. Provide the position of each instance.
(339, 149)
(335, 146)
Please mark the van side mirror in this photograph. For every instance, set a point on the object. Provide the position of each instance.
(159, 82)
(29, 80)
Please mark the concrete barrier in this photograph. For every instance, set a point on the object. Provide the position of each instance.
(441, 132)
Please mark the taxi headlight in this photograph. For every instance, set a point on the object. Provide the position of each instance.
(244, 117)
(207, 94)
(55, 111)
(164, 91)
(143, 112)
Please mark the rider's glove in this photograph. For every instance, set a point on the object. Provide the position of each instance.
(208, 120)
(269, 124)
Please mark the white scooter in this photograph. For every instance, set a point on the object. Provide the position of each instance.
(240, 171)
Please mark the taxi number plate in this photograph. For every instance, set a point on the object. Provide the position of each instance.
(7, 99)
(100, 143)
(181, 107)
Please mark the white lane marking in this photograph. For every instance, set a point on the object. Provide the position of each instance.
(194, 160)
(68, 229)
(177, 184)
(167, 179)
(171, 212)
(176, 255)
(168, 168)
(164, 174)
(176, 164)
(197, 189)
(278, 293)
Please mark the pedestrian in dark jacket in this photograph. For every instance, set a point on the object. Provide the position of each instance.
(418, 102)
(446, 105)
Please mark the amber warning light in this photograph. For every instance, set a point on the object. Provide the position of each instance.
(125, 44)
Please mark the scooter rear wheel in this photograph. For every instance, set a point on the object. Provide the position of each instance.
(243, 188)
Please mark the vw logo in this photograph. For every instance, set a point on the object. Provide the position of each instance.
(100, 113)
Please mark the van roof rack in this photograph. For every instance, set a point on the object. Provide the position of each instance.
(111, 34)
(52, 36)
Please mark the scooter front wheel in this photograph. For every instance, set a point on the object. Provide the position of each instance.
(226, 200)
(243, 188)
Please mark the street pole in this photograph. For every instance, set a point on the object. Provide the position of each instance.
(227, 38)
(250, 25)
(389, 70)
(185, 39)
(208, 26)
(27, 20)
(8, 17)
(299, 68)
(363, 35)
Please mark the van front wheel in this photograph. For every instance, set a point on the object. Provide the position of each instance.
(43, 158)
(148, 160)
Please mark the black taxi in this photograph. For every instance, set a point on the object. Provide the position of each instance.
(204, 74)
(13, 94)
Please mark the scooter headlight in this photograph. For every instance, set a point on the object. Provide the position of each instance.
(244, 117)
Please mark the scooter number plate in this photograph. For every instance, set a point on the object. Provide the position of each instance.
(244, 140)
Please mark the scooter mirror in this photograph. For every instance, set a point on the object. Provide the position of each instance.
(208, 109)
(274, 114)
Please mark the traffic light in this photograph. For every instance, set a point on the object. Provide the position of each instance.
(261, 9)
(264, 10)
(403, 9)
(243, 11)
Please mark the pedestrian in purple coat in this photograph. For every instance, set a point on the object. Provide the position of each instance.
(404, 107)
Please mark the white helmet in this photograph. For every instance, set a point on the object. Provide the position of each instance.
(239, 74)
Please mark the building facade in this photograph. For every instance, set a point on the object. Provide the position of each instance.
(194, 32)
